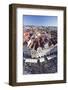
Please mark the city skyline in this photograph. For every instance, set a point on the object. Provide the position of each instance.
(37, 20)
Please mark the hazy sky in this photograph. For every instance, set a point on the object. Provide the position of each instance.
(40, 20)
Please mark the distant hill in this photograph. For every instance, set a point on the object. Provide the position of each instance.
(49, 28)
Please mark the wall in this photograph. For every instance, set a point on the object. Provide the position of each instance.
(4, 44)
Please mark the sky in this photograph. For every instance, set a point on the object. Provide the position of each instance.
(40, 20)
